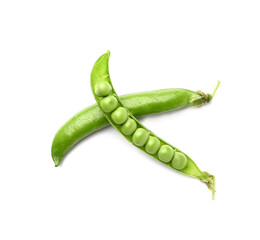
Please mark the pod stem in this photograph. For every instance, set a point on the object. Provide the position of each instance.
(211, 183)
(213, 93)
(214, 187)
(204, 98)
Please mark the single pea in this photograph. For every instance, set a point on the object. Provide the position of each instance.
(153, 145)
(108, 104)
(166, 153)
(140, 137)
(179, 161)
(102, 89)
(129, 127)
(120, 115)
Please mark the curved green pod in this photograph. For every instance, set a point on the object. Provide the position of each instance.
(140, 104)
(166, 153)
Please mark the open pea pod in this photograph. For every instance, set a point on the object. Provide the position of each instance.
(125, 123)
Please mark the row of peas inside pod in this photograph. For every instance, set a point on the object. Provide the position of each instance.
(140, 136)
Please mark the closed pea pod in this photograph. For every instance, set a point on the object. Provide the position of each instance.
(140, 104)
(166, 153)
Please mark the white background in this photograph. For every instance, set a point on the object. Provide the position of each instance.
(106, 188)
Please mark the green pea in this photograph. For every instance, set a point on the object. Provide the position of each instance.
(108, 104)
(129, 127)
(102, 89)
(166, 153)
(120, 115)
(153, 145)
(179, 161)
(140, 137)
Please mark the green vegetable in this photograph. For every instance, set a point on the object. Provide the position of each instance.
(140, 104)
(179, 161)
(108, 104)
(166, 154)
(152, 145)
(140, 136)
(129, 127)
(103, 89)
(120, 115)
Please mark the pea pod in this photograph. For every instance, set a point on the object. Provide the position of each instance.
(140, 104)
(124, 121)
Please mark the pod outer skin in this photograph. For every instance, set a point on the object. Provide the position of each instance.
(140, 104)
